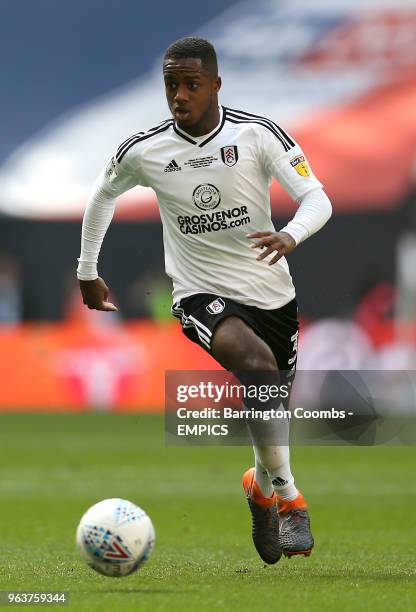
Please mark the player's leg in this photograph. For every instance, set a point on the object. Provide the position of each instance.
(261, 475)
(279, 475)
(280, 327)
(233, 334)
(238, 348)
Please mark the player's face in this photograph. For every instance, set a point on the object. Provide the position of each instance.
(191, 92)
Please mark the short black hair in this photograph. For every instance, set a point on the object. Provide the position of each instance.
(193, 46)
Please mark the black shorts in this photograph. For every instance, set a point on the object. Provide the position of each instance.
(279, 328)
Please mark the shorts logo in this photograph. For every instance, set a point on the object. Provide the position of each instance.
(229, 155)
(300, 165)
(216, 306)
(206, 196)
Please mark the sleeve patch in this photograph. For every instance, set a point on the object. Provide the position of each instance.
(300, 164)
(111, 170)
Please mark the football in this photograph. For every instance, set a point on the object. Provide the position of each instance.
(115, 537)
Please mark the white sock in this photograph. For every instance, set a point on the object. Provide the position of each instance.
(275, 459)
(262, 477)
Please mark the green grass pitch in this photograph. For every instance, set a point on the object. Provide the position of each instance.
(53, 467)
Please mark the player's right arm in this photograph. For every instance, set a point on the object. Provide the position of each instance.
(116, 178)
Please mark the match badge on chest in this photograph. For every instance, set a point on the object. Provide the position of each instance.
(300, 165)
(229, 155)
(216, 306)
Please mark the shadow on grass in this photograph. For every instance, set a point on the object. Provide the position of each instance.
(318, 574)
(144, 591)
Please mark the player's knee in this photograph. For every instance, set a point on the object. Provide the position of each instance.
(237, 347)
(251, 356)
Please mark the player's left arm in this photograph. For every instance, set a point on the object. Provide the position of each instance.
(291, 169)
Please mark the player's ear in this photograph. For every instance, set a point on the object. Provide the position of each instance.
(217, 83)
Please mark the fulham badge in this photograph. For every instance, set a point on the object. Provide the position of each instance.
(216, 306)
(229, 155)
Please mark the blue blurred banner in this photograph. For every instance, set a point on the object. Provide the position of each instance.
(340, 76)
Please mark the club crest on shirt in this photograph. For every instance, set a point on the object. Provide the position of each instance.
(216, 306)
(300, 165)
(229, 155)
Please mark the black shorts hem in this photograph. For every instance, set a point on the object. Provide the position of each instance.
(201, 314)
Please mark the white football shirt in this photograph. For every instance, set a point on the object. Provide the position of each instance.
(212, 191)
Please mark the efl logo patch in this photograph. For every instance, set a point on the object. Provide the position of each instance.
(229, 155)
(216, 306)
(300, 165)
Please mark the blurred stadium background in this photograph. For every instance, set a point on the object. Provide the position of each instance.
(339, 76)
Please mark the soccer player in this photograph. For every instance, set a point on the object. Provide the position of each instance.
(211, 168)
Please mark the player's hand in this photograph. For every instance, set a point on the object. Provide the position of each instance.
(270, 242)
(95, 295)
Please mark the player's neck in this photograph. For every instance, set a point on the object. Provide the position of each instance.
(206, 125)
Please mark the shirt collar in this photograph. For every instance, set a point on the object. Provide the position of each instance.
(201, 140)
